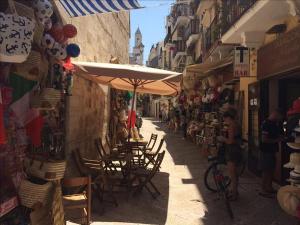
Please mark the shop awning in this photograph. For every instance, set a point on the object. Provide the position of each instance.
(76, 8)
(127, 77)
(203, 69)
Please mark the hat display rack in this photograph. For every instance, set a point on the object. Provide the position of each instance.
(206, 100)
(294, 162)
(289, 196)
(36, 76)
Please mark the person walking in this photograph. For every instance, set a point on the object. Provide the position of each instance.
(183, 121)
(272, 135)
(233, 152)
(160, 116)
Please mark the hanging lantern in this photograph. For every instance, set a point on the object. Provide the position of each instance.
(73, 50)
(57, 33)
(68, 64)
(69, 31)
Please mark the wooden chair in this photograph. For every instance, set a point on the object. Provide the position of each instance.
(85, 166)
(110, 162)
(152, 142)
(79, 200)
(101, 182)
(145, 176)
(150, 155)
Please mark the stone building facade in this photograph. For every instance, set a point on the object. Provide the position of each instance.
(100, 38)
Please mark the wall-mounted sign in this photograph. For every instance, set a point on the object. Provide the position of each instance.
(241, 62)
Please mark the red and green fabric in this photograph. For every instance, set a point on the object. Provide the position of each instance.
(27, 117)
(2, 128)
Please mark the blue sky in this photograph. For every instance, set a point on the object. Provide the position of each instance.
(151, 21)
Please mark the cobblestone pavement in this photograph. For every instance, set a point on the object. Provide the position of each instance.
(184, 199)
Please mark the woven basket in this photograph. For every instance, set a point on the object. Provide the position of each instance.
(47, 170)
(31, 68)
(31, 193)
(58, 215)
(47, 99)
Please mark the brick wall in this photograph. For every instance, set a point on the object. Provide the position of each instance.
(85, 118)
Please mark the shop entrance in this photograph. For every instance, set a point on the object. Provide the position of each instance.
(258, 93)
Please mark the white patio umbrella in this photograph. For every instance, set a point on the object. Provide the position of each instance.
(132, 78)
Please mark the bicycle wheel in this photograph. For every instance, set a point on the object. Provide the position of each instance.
(228, 205)
(209, 180)
(241, 168)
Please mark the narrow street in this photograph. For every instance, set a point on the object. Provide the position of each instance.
(184, 198)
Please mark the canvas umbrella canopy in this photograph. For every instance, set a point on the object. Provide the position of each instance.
(132, 78)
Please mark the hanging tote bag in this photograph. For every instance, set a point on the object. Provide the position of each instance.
(16, 35)
(46, 99)
(45, 169)
(32, 193)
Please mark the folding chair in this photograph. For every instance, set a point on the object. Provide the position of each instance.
(144, 176)
(151, 142)
(150, 155)
(86, 167)
(80, 200)
(109, 161)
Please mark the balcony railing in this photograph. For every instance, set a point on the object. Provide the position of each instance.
(232, 11)
(192, 28)
(180, 31)
(179, 10)
(180, 46)
(211, 35)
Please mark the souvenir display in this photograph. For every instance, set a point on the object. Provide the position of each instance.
(33, 85)
(43, 10)
(16, 36)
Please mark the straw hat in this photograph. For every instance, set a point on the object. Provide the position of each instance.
(294, 160)
(296, 144)
(295, 175)
(215, 122)
(289, 199)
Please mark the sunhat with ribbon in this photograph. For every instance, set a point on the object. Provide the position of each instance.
(289, 199)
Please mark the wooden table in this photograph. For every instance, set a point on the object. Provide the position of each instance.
(137, 145)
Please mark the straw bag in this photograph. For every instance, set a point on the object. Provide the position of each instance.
(16, 36)
(33, 68)
(47, 170)
(46, 99)
(38, 33)
(58, 215)
(31, 193)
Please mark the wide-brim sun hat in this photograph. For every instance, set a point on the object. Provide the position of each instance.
(289, 199)
(295, 146)
(294, 161)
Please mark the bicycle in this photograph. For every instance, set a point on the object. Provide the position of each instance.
(221, 182)
(219, 162)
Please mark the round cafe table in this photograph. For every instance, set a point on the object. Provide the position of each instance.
(136, 147)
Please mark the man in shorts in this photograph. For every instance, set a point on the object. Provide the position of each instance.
(271, 137)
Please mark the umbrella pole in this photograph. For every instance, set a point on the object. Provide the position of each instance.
(132, 107)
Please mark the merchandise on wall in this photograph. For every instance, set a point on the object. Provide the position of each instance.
(35, 77)
(205, 100)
